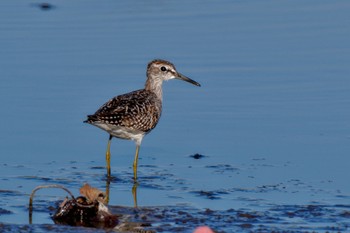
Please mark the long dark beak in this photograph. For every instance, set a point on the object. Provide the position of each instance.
(184, 78)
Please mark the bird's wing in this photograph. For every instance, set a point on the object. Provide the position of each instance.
(136, 110)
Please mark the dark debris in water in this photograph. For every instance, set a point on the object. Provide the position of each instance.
(44, 6)
(89, 210)
(197, 156)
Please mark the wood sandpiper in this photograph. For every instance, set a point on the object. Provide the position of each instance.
(133, 115)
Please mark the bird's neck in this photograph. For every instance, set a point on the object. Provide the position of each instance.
(155, 85)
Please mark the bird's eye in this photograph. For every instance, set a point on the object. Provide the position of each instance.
(163, 68)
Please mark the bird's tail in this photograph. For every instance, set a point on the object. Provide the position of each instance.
(90, 119)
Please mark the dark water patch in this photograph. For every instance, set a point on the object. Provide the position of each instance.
(257, 166)
(296, 182)
(98, 168)
(343, 196)
(44, 205)
(56, 180)
(157, 176)
(197, 156)
(4, 211)
(148, 166)
(112, 179)
(280, 187)
(258, 159)
(16, 228)
(222, 168)
(345, 214)
(271, 187)
(36, 178)
(41, 228)
(147, 175)
(152, 186)
(45, 6)
(212, 195)
(9, 192)
(315, 217)
(207, 194)
(152, 177)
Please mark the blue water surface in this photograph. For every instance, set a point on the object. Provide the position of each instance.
(271, 118)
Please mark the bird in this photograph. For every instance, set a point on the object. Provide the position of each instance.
(133, 115)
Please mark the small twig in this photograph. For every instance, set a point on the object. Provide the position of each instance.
(46, 186)
(42, 187)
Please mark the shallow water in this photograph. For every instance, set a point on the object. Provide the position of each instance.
(271, 118)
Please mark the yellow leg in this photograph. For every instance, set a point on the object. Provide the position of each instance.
(108, 157)
(135, 162)
(108, 183)
(134, 194)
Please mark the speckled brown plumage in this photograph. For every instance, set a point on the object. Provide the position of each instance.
(138, 110)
